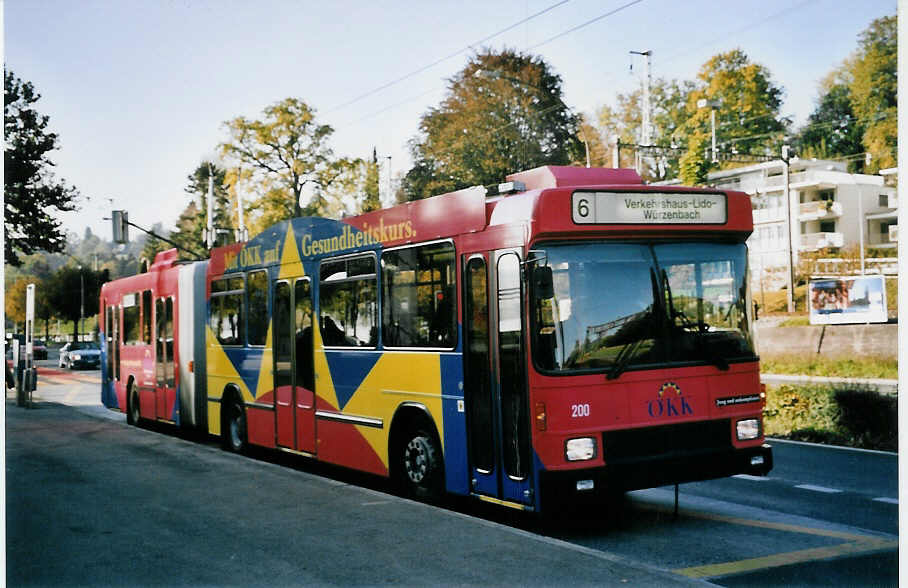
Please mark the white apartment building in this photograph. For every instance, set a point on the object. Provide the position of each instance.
(830, 208)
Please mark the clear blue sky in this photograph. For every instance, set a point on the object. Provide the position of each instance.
(138, 90)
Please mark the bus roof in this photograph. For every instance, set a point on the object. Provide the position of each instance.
(543, 204)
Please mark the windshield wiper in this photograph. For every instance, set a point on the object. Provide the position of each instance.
(629, 350)
(698, 328)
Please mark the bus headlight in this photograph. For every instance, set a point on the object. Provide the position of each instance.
(580, 449)
(748, 429)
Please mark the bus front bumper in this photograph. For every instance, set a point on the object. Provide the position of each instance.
(650, 472)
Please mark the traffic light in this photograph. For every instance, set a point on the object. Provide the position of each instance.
(120, 219)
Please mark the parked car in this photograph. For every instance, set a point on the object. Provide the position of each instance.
(39, 349)
(80, 354)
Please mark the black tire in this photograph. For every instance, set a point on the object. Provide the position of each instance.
(133, 415)
(420, 465)
(233, 426)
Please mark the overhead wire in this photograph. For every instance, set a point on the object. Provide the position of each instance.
(449, 56)
(549, 40)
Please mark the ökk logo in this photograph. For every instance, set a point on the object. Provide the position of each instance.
(670, 402)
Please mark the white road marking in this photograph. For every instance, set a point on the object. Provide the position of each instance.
(751, 478)
(886, 500)
(822, 489)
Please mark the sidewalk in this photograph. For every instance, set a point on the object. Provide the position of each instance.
(879, 384)
(363, 536)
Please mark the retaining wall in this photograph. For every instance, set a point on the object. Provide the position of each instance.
(839, 341)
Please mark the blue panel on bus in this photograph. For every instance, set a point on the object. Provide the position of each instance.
(247, 363)
(348, 370)
(457, 476)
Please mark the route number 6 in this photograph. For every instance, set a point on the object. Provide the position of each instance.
(584, 208)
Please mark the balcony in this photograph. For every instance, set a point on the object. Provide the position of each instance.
(768, 215)
(817, 209)
(814, 241)
(817, 179)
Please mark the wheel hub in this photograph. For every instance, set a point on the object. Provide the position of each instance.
(416, 461)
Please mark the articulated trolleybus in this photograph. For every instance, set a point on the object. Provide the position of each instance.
(578, 333)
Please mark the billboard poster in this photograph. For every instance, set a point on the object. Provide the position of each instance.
(854, 299)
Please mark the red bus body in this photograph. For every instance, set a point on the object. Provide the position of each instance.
(537, 344)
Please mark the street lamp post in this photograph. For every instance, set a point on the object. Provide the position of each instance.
(713, 105)
(81, 303)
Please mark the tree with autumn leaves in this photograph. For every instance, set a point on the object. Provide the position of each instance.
(503, 112)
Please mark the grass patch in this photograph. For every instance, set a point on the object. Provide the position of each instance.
(819, 365)
(796, 321)
(847, 416)
(776, 301)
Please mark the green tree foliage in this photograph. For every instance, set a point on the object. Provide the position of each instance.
(747, 109)
(197, 186)
(693, 167)
(191, 225)
(856, 111)
(69, 287)
(668, 99)
(31, 192)
(832, 129)
(153, 246)
(284, 156)
(372, 200)
(874, 80)
(503, 113)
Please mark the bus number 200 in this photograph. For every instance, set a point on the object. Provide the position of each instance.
(580, 410)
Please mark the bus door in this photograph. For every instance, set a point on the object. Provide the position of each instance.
(495, 388)
(165, 395)
(294, 376)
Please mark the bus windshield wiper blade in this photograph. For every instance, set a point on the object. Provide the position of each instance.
(698, 328)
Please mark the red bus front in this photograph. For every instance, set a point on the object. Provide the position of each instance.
(643, 370)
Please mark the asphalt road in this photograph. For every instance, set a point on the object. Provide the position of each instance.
(121, 505)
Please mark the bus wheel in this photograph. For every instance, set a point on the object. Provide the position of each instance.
(132, 407)
(234, 429)
(421, 469)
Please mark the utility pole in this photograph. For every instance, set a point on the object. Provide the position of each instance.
(81, 304)
(241, 229)
(792, 219)
(210, 239)
(646, 136)
(390, 199)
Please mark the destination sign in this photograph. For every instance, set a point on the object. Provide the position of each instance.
(648, 208)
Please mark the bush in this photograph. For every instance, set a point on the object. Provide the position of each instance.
(833, 415)
(871, 418)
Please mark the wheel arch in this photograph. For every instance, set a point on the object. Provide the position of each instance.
(231, 393)
(407, 417)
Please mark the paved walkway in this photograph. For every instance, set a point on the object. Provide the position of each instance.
(879, 384)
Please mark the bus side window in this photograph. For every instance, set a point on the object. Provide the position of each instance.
(347, 302)
(257, 288)
(130, 319)
(226, 311)
(146, 317)
(419, 297)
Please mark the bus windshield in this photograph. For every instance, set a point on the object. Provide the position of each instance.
(620, 306)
